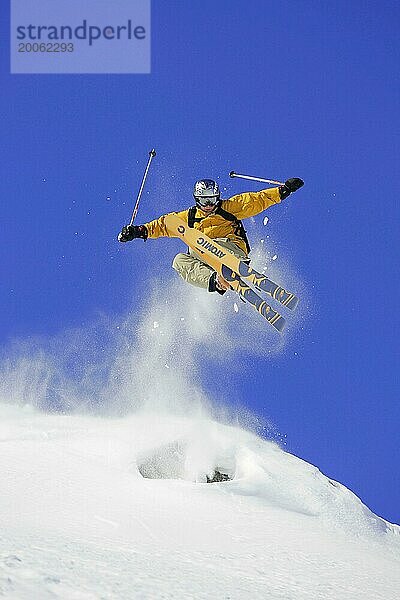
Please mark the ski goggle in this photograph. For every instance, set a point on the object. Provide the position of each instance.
(207, 200)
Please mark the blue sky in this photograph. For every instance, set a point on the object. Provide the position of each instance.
(278, 89)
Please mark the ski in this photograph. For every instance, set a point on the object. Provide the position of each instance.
(204, 245)
(249, 295)
(262, 282)
(197, 242)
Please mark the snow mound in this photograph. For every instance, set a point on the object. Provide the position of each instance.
(97, 508)
(171, 462)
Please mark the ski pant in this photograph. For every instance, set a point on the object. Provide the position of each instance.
(192, 268)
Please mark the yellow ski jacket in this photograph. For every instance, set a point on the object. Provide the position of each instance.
(241, 206)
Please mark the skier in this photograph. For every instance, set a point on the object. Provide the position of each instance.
(218, 219)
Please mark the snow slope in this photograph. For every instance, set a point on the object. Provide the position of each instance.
(79, 521)
(107, 435)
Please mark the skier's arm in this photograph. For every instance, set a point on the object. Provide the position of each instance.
(157, 228)
(250, 204)
(153, 229)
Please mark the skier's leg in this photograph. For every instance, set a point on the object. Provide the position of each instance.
(232, 247)
(192, 269)
(219, 283)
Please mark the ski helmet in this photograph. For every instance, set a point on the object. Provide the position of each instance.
(206, 192)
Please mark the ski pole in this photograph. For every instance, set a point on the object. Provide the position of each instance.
(233, 174)
(152, 154)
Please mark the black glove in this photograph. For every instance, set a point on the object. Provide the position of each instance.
(131, 232)
(290, 185)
